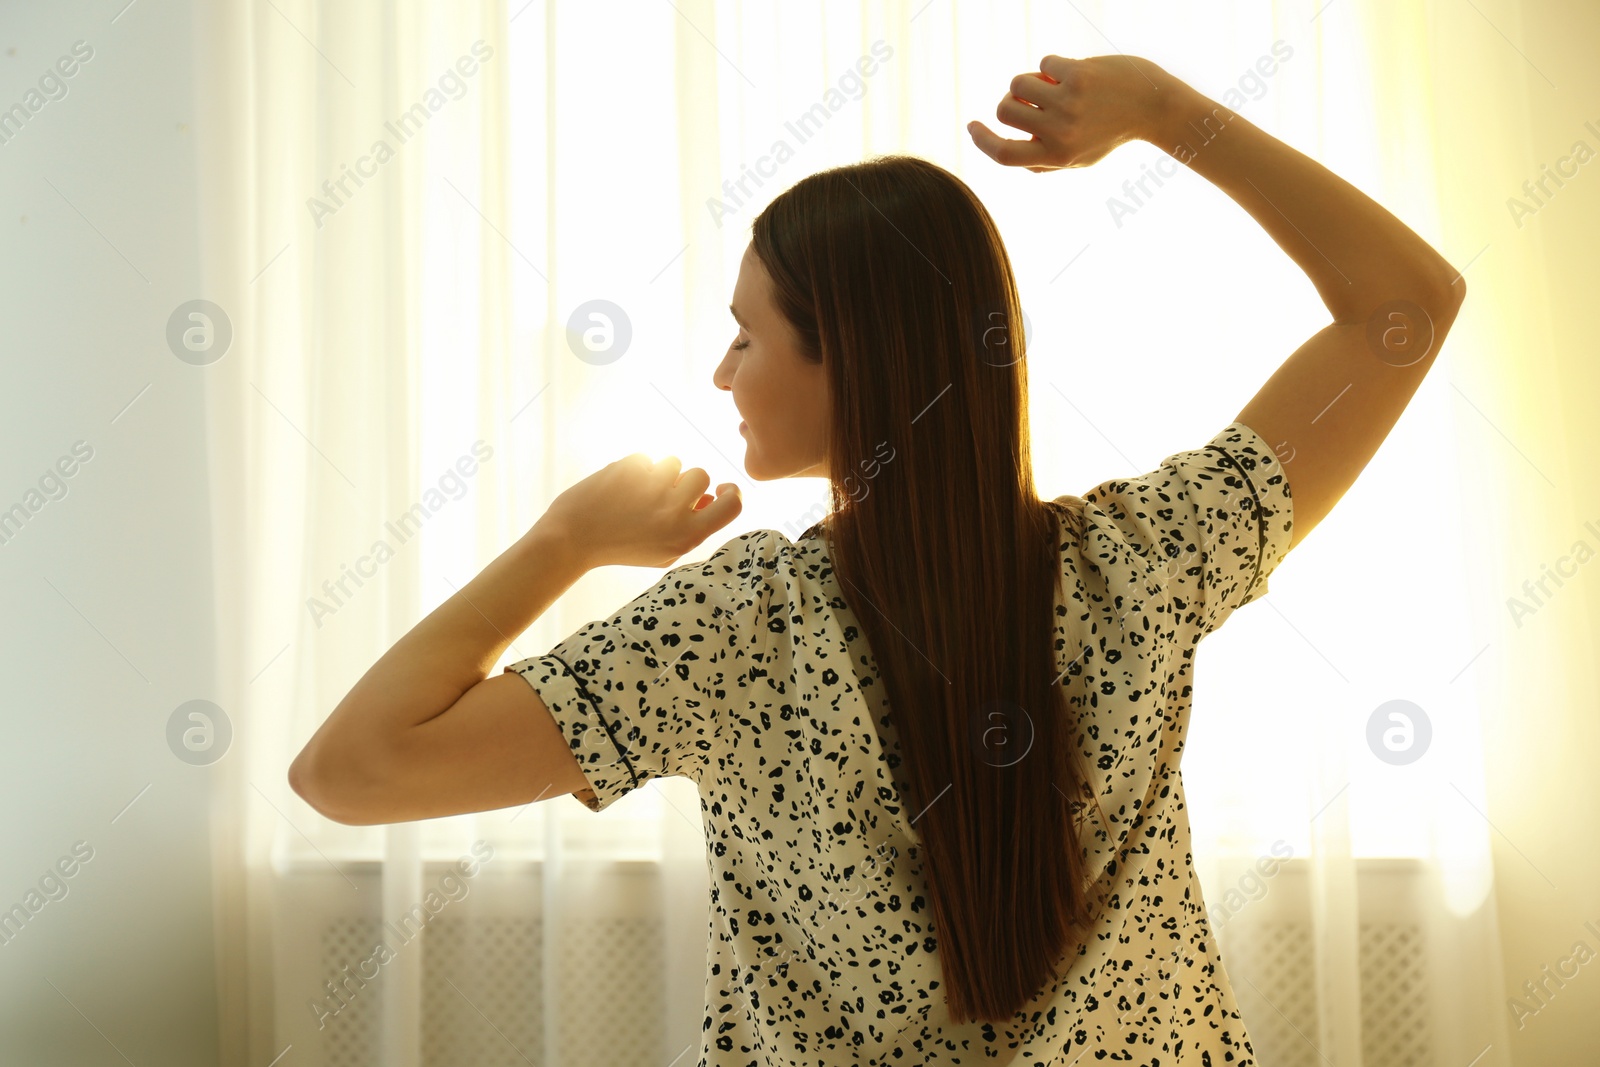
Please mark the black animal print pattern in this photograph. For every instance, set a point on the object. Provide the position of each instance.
(749, 674)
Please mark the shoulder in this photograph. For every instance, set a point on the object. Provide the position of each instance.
(755, 555)
(743, 570)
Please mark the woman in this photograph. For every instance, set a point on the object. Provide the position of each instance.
(936, 738)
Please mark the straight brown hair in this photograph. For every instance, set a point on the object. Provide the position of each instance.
(893, 275)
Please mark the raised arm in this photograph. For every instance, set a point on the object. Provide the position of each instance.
(1392, 297)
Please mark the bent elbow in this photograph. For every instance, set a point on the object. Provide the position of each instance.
(1440, 303)
(311, 785)
(1447, 293)
(1446, 307)
(1456, 293)
(302, 779)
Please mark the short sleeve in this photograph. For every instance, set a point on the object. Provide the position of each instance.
(642, 693)
(1216, 520)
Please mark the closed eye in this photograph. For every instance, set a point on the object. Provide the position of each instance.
(737, 345)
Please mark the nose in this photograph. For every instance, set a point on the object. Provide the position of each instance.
(722, 377)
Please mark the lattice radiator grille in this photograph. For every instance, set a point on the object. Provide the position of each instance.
(480, 993)
(1279, 999)
(480, 996)
(348, 1040)
(611, 1008)
(480, 964)
(482, 975)
(1396, 1018)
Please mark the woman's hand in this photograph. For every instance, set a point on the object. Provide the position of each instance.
(640, 513)
(1080, 110)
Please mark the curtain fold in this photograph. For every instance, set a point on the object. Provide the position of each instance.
(404, 314)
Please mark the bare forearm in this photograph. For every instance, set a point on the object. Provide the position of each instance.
(1355, 252)
(455, 647)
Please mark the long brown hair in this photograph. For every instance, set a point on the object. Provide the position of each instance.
(893, 276)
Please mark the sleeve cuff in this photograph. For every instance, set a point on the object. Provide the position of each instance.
(586, 727)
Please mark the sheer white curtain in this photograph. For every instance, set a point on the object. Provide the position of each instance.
(471, 253)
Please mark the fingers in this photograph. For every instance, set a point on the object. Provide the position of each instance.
(709, 513)
(721, 511)
(1056, 68)
(1024, 107)
(1032, 88)
(691, 484)
(1011, 153)
(1021, 115)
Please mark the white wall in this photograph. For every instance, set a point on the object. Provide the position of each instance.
(106, 587)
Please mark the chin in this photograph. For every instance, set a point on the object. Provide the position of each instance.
(755, 469)
(760, 472)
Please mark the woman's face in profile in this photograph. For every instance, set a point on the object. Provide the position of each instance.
(782, 397)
